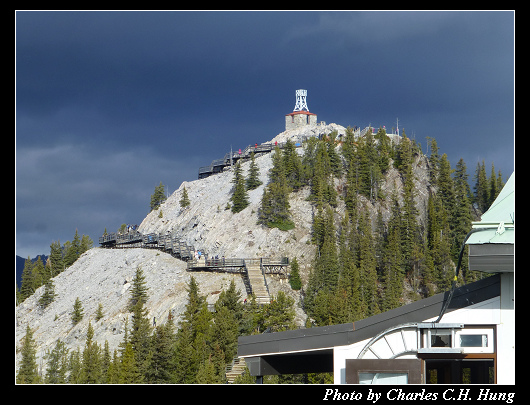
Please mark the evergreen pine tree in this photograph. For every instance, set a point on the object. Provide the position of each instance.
(138, 290)
(446, 186)
(481, 191)
(113, 371)
(409, 231)
(292, 164)
(106, 362)
(73, 250)
(434, 162)
(500, 183)
(195, 301)
(91, 366)
(75, 367)
(48, 295)
(239, 196)
(77, 313)
(206, 373)
(383, 149)
(369, 171)
(28, 371)
(274, 209)
(462, 215)
(403, 154)
(224, 332)
(279, 314)
(334, 158)
(99, 312)
(252, 321)
(349, 280)
(39, 274)
(253, 180)
(57, 364)
(158, 197)
(367, 267)
(324, 274)
(185, 366)
(185, 200)
(348, 147)
(86, 244)
(393, 276)
(56, 258)
(162, 364)
(327, 262)
(140, 337)
(129, 373)
(26, 288)
(294, 277)
(231, 299)
(322, 184)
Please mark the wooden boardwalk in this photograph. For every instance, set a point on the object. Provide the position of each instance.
(253, 270)
(231, 158)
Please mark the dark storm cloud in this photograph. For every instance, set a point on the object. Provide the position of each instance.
(70, 186)
(110, 103)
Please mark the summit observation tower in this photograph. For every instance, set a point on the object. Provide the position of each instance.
(300, 115)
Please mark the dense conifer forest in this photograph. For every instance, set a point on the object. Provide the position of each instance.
(363, 263)
(36, 274)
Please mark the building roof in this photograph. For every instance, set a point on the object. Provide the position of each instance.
(492, 248)
(317, 343)
(501, 211)
(300, 112)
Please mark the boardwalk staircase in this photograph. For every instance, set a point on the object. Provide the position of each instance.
(257, 280)
(235, 369)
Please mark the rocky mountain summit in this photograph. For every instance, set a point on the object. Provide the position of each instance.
(103, 276)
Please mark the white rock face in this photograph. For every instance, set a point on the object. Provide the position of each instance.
(211, 228)
(105, 276)
(309, 130)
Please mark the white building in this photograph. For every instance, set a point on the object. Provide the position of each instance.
(472, 340)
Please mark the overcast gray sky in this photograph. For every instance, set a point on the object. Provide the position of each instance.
(108, 104)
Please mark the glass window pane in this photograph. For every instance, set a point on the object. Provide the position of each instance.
(440, 338)
(383, 378)
(473, 340)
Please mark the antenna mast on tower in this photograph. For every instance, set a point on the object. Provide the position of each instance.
(301, 101)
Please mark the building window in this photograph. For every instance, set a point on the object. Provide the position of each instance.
(383, 378)
(383, 371)
(441, 338)
(473, 340)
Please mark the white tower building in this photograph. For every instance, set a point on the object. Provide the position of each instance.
(300, 115)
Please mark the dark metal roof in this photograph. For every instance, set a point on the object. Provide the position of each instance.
(326, 337)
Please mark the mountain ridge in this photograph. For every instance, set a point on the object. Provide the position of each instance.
(104, 275)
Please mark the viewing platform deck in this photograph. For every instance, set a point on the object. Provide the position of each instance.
(252, 270)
